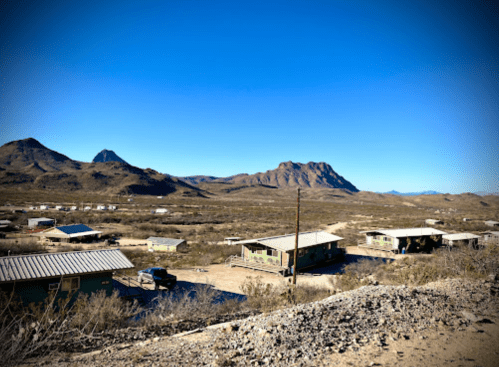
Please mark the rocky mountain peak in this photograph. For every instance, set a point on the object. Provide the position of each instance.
(107, 156)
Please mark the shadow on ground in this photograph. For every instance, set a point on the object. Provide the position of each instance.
(147, 297)
(338, 268)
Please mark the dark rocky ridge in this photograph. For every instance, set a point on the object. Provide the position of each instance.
(287, 175)
(108, 156)
(28, 164)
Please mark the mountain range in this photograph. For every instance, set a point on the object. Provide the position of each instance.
(430, 192)
(29, 164)
(286, 175)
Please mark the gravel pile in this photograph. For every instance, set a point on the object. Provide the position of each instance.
(305, 334)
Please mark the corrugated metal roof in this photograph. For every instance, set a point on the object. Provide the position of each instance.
(460, 236)
(58, 264)
(287, 242)
(40, 219)
(496, 233)
(407, 232)
(165, 241)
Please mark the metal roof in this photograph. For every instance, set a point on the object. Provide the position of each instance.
(165, 241)
(75, 228)
(40, 219)
(496, 233)
(460, 236)
(407, 232)
(5, 222)
(491, 222)
(27, 267)
(287, 242)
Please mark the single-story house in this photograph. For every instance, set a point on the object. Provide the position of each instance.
(161, 211)
(232, 240)
(410, 239)
(460, 238)
(276, 254)
(44, 207)
(491, 237)
(433, 222)
(112, 207)
(87, 208)
(166, 244)
(101, 207)
(40, 222)
(71, 233)
(33, 277)
(492, 223)
(74, 207)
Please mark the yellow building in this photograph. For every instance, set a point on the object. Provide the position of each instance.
(166, 244)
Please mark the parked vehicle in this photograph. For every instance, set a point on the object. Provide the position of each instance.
(158, 276)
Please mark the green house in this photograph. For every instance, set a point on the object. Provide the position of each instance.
(276, 254)
(33, 277)
(403, 239)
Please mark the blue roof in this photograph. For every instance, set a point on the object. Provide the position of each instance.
(75, 228)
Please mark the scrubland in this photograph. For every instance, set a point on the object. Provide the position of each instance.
(204, 222)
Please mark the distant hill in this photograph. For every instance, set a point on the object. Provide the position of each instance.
(287, 175)
(30, 155)
(430, 192)
(107, 156)
(30, 165)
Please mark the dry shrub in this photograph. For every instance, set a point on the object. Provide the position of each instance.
(100, 312)
(21, 246)
(203, 301)
(266, 297)
(38, 329)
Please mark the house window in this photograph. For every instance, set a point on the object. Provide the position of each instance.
(302, 253)
(105, 282)
(70, 284)
(329, 245)
(272, 253)
(53, 286)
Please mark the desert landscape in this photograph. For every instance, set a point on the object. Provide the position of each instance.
(368, 307)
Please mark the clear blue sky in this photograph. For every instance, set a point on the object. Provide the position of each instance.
(394, 95)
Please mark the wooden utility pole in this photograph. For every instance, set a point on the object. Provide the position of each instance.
(296, 236)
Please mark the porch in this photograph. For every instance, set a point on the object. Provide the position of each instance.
(374, 246)
(256, 265)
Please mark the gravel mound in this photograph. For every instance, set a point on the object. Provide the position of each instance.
(310, 333)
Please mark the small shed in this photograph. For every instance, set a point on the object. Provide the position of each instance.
(44, 207)
(467, 219)
(71, 233)
(166, 244)
(112, 207)
(230, 240)
(491, 237)
(161, 211)
(40, 222)
(32, 277)
(395, 240)
(74, 208)
(101, 207)
(433, 222)
(492, 223)
(460, 239)
(87, 208)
